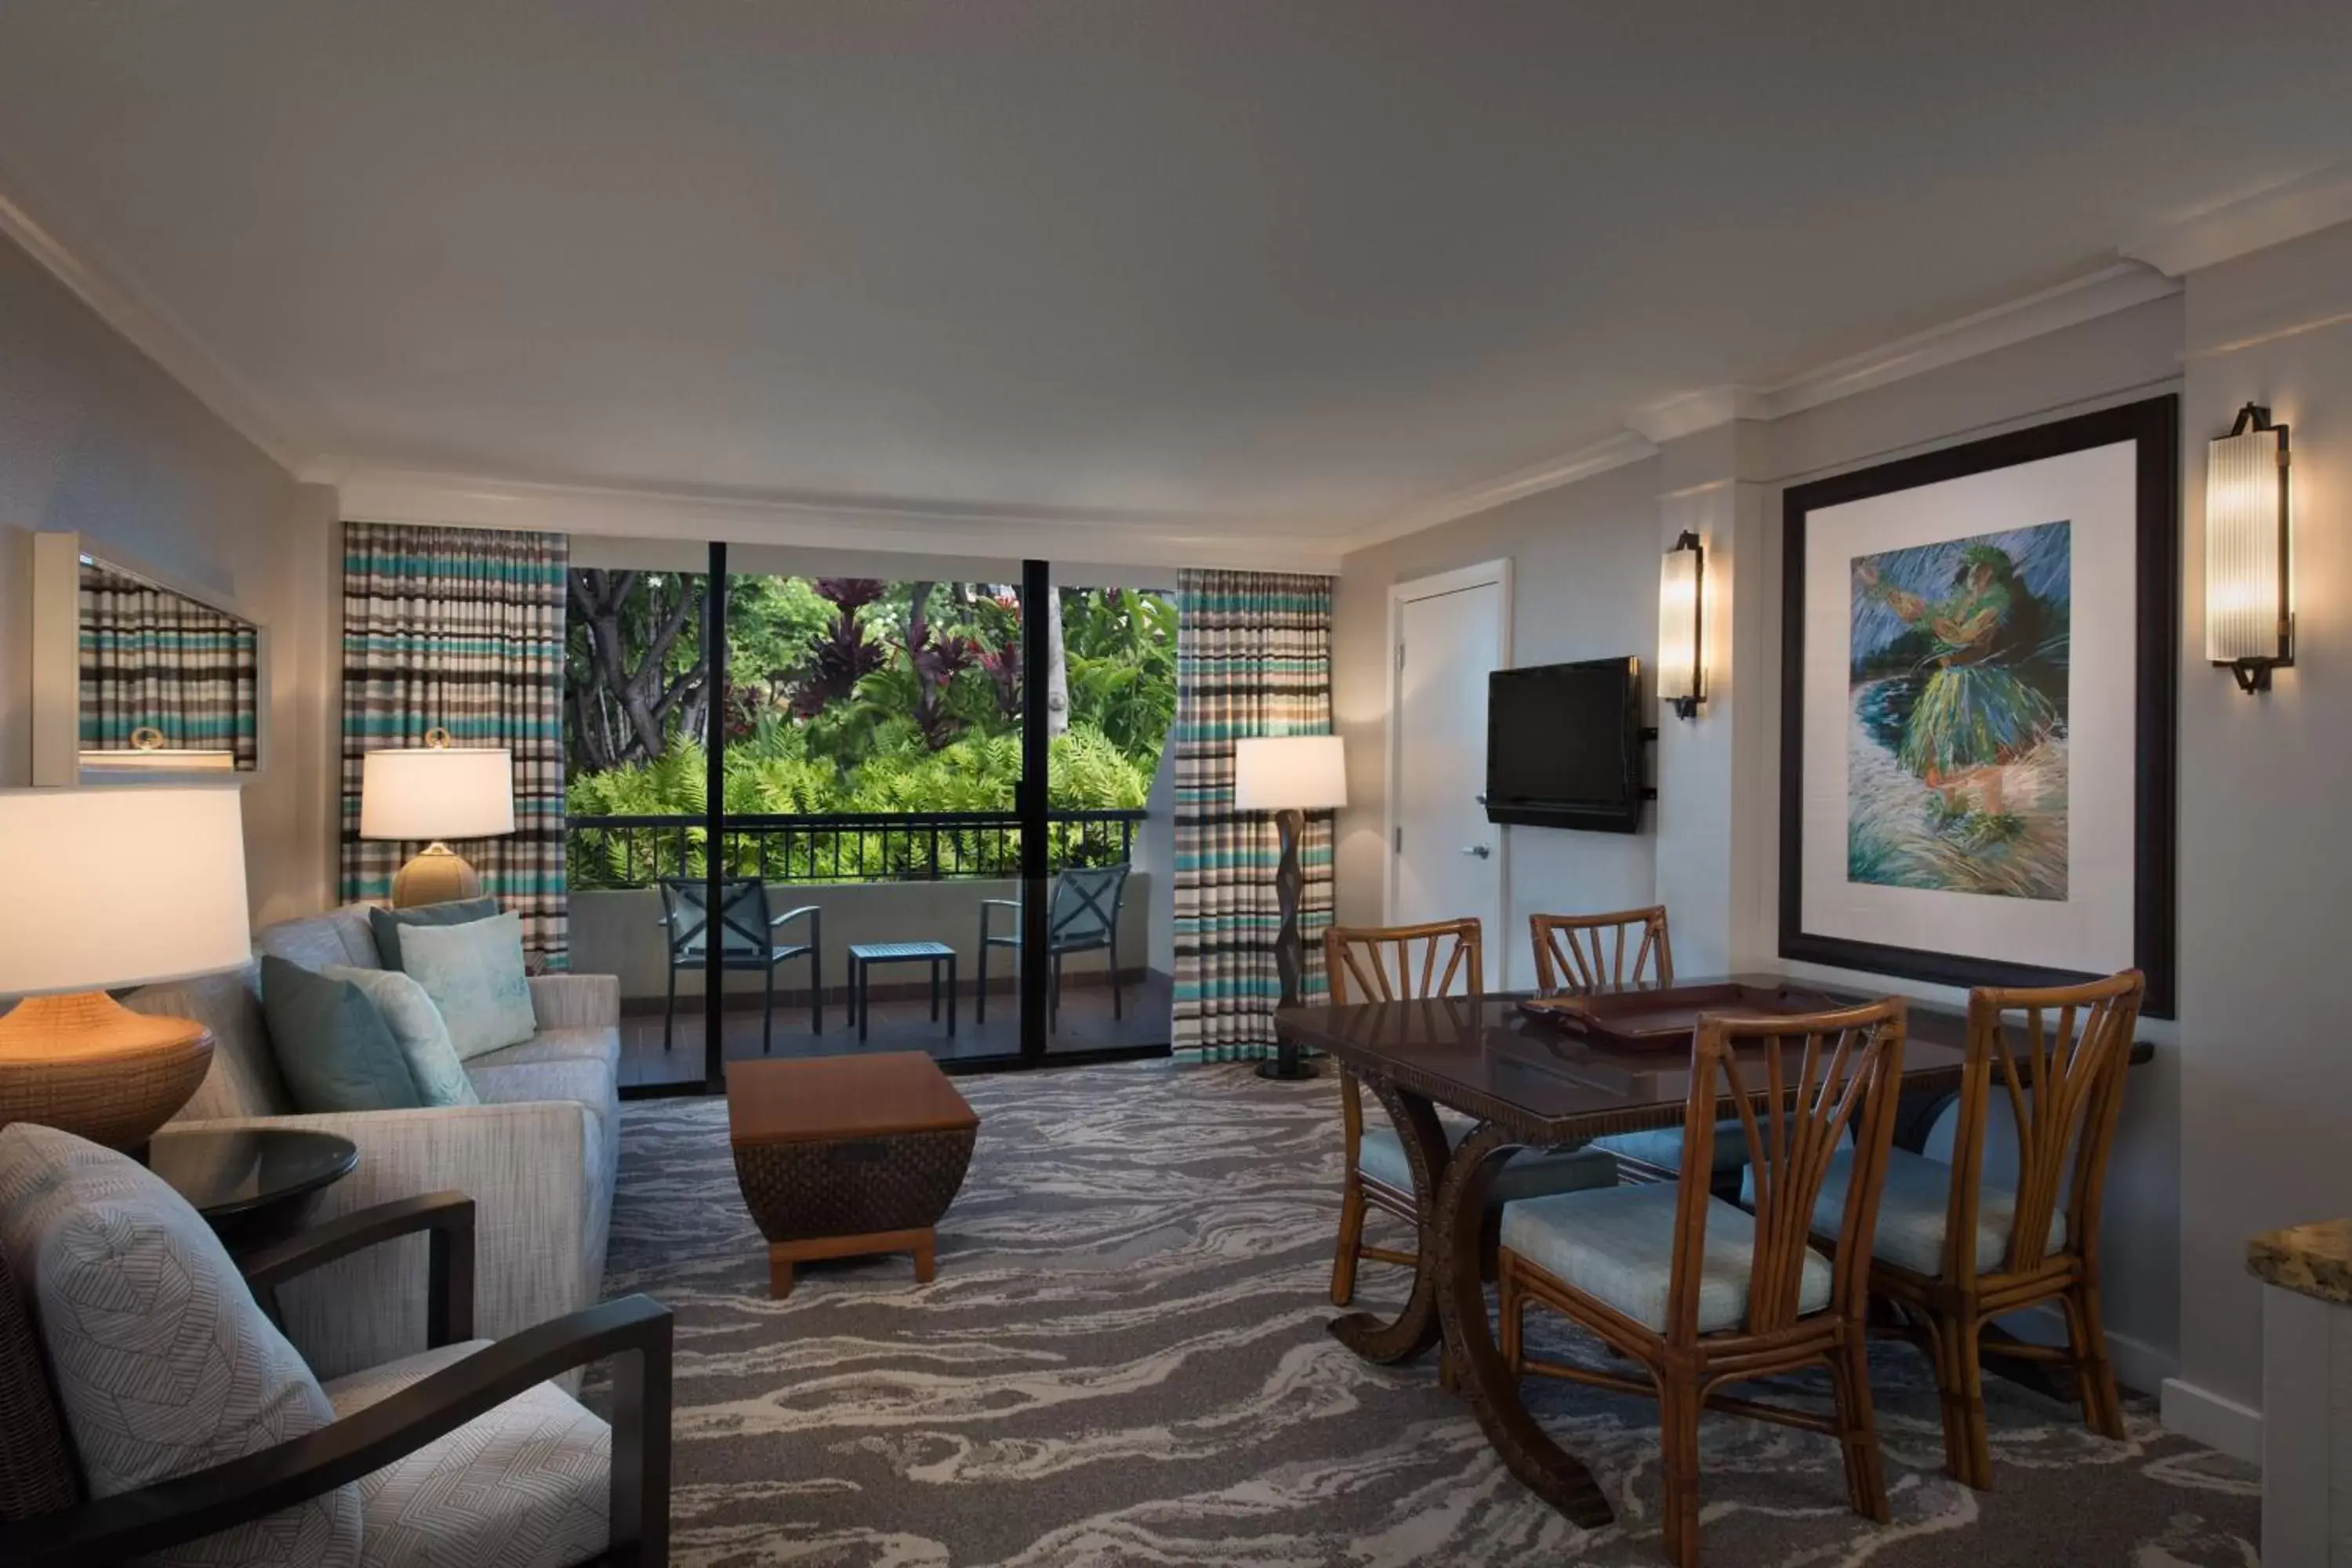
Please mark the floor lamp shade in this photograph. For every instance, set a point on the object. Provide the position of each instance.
(433, 793)
(1289, 775)
(111, 888)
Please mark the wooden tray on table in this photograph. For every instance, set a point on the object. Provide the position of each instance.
(1661, 1018)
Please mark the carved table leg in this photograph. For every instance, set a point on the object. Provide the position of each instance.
(1414, 1330)
(1549, 1471)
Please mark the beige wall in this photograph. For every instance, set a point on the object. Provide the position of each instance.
(96, 439)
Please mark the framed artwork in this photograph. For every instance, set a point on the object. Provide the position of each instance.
(1978, 657)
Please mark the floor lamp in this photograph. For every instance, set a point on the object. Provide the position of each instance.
(1289, 775)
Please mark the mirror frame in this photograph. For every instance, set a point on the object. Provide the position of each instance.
(57, 666)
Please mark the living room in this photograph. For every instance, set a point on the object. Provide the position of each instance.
(1089, 515)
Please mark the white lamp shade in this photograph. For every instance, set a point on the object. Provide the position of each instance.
(2245, 562)
(436, 791)
(1290, 773)
(1679, 673)
(122, 885)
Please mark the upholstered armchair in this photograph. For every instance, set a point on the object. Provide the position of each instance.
(163, 1417)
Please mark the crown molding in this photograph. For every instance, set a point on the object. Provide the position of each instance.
(2290, 210)
(1612, 451)
(1672, 418)
(149, 328)
(472, 501)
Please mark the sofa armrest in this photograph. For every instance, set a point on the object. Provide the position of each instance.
(576, 1001)
(529, 1167)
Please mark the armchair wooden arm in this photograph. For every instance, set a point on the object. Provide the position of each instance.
(636, 1331)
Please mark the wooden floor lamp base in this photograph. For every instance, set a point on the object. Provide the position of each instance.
(784, 1255)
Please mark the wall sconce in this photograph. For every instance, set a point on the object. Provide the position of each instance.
(2249, 565)
(1682, 666)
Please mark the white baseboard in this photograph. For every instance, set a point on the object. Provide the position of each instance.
(2221, 1424)
(2139, 1366)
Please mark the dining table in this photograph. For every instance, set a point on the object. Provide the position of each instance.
(1528, 1081)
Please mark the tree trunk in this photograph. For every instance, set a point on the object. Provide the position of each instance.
(1057, 668)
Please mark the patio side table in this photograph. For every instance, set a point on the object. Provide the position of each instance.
(865, 955)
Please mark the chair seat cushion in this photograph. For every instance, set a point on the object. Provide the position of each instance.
(1617, 1246)
(1529, 1174)
(526, 1486)
(1912, 1214)
(1663, 1147)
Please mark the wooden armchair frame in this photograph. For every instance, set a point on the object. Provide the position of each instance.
(1848, 1073)
(1576, 953)
(1357, 951)
(634, 1331)
(2063, 1097)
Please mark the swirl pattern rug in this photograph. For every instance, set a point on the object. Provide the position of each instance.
(1123, 1361)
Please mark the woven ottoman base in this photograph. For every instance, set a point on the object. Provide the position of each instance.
(844, 1157)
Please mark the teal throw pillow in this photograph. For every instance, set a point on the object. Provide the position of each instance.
(417, 1028)
(333, 1049)
(475, 975)
(388, 923)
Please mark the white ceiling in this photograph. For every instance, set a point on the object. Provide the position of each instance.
(1204, 267)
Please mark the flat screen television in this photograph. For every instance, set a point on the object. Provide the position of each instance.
(1564, 745)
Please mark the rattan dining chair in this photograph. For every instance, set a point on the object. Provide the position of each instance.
(1953, 1251)
(1395, 963)
(1703, 1294)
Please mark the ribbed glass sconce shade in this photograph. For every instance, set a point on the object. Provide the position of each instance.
(2247, 611)
(1679, 654)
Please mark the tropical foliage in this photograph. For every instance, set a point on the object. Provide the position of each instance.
(851, 696)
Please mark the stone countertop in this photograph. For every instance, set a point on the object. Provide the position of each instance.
(2314, 1259)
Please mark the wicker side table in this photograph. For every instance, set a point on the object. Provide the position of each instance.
(841, 1156)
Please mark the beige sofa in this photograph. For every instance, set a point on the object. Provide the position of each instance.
(538, 1156)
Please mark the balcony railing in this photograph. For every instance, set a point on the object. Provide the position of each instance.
(896, 847)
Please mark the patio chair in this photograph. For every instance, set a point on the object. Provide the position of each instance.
(1082, 916)
(747, 940)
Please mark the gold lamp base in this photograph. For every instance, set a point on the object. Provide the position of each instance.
(86, 1065)
(438, 874)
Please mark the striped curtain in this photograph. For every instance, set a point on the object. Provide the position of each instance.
(1252, 657)
(461, 629)
(153, 660)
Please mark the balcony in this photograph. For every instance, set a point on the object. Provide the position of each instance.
(875, 878)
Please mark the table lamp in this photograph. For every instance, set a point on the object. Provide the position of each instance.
(436, 791)
(108, 888)
(1289, 775)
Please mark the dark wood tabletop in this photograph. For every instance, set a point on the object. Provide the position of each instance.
(1545, 1084)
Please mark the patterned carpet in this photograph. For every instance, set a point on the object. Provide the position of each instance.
(1123, 1361)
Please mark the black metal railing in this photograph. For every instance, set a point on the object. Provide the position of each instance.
(896, 847)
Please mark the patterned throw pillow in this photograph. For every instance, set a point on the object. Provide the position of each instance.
(475, 975)
(163, 1364)
(418, 1029)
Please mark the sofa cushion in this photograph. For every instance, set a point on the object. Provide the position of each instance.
(601, 1046)
(339, 936)
(526, 1486)
(418, 1030)
(333, 1047)
(1618, 1245)
(163, 1363)
(474, 974)
(387, 923)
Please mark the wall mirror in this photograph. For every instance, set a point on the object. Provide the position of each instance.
(136, 678)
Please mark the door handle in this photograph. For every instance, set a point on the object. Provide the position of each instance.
(1480, 850)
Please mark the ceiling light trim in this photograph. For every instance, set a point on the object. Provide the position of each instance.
(2306, 204)
(150, 329)
(473, 500)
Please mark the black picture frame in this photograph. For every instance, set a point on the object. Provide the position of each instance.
(2153, 424)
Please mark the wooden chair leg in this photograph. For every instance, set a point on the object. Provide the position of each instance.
(1971, 1464)
(2102, 1406)
(1511, 1315)
(1351, 1241)
(1678, 1407)
(1866, 1476)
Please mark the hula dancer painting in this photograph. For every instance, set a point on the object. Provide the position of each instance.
(1956, 771)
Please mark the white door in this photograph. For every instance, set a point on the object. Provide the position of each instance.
(1447, 857)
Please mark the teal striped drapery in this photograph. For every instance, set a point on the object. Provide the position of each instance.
(462, 628)
(151, 659)
(1252, 657)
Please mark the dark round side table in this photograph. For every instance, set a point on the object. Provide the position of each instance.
(254, 1187)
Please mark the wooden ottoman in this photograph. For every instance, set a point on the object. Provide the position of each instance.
(839, 1156)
